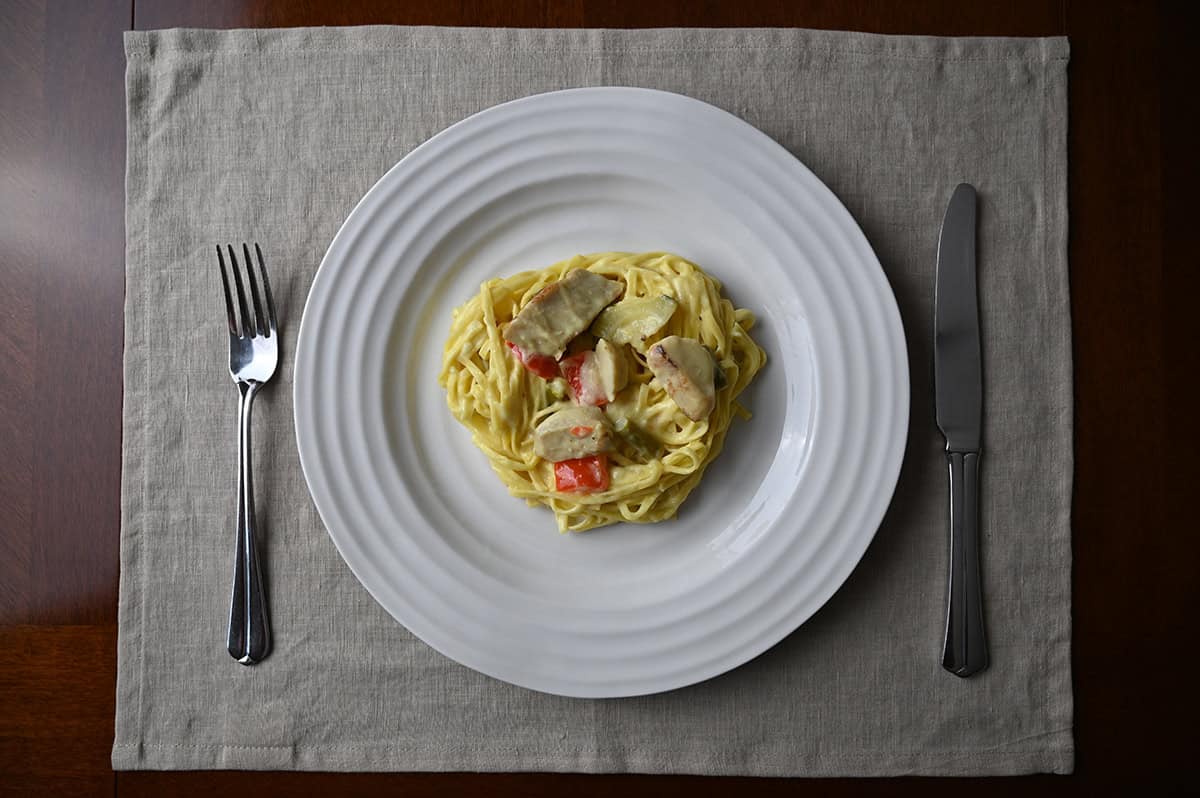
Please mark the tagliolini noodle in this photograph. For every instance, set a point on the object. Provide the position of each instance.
(501, 402)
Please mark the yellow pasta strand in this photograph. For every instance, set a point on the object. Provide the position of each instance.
(501, 402)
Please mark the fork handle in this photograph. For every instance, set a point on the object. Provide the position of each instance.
(249, 631)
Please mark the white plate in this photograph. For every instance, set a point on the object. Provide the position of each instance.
(782, 516)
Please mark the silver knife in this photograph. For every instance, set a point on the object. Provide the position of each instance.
(958, 382)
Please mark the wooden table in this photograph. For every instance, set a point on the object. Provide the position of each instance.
(62, 145)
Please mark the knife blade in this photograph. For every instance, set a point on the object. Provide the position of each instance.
(958, 400)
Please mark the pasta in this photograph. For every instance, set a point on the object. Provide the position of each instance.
(501, 402)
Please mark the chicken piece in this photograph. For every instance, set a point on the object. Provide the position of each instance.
(572, 433)
(595, 377)
(612, 369)
(561, 311)
(688, 371)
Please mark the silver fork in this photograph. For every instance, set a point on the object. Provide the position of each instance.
(253, 355)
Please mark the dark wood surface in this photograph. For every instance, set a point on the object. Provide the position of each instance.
(1134, 292)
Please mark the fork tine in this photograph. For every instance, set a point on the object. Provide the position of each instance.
(247, 322)
(266, 284)
(233, 323)
(260, 321)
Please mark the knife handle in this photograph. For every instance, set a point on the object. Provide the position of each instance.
(965, 650)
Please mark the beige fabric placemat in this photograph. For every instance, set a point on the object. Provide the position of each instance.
(273, 135)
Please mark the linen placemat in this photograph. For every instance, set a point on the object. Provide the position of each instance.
(273, 136)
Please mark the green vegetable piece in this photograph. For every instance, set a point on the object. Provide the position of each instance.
(633, 320)
(719, 378)
(638, 439)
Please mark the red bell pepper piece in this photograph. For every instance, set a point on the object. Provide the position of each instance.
(544, 366)
(582, 475)
(571, 368)
(583, 390)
